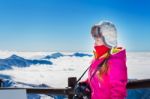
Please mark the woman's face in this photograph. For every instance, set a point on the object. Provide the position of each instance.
(98, 41)
(97, 36)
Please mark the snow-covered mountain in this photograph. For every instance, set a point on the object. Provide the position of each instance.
(58, 54)
(18, 61)
(54, 55)
(78, 54)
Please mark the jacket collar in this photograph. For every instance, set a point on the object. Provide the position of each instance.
(115, 52)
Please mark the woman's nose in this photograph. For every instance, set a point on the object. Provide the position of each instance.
(96, 43)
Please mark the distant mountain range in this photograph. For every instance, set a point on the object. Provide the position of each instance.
(54, 55)
(57, 55)
(18, 61)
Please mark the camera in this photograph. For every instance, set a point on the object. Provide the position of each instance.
(82, 91)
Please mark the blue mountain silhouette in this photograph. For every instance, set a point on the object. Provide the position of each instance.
(81, 54)
(18, 61)
(54, 55)
(58, 54)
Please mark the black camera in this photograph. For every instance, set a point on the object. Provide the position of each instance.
(82, 91)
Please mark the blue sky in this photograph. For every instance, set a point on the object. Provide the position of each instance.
(64, 25)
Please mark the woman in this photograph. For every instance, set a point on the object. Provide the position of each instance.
(109, 81)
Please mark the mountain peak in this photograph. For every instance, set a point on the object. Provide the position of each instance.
(15, 57)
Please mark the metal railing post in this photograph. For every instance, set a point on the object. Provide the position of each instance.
(1, 82)
(71, 83)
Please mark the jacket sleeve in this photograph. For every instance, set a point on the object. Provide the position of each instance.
(118, 78)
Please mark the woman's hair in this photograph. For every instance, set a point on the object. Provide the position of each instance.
(104, 68)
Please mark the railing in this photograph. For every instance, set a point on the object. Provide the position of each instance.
(68, 91)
